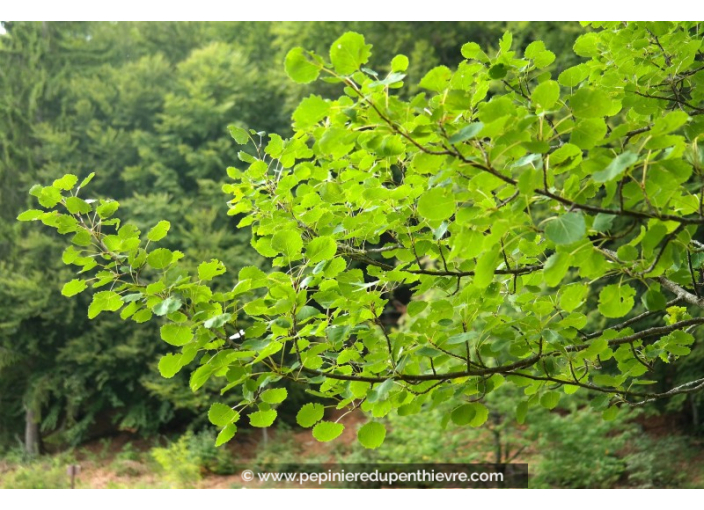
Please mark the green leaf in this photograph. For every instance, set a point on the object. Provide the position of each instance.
(221, 414)
(327, 431)
(349, 53)
(176, 334)
(159, 231)
(588, 102)
(436, 204)
(48, 196)
(299, 67)
(321, 248)
(470, 50)
(437, 79)
(77, 205)
(73, 287)
(566, 229)
(167, 306)
(218, 321)
(262, 419)
(66, 183)
(654, 300)
(610, 413)
(142, 316)
(239, 134)
(546, 94)
(617, 166)
(498, 71)
(274, 396)
(160, 258)
(550, 399)
(416, 307)
(616, 300)
(371, 435)
(287, 242)
(573, 76)
(200, 376)
(572, 296)
(226, 434)
(310, 111)
(107, 209)
(481, 414)
(603, 222)
(209, 270)
(169, 365)
(467, 133)
(310, 414)
(555, 268)
(463, 414)
(106, 301)
(586, 45)
(87, 180)
(486, 265)
(588, 132)
(30, 215)
(399, 64)
(595, 348)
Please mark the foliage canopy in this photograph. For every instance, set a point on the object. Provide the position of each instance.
(532, 229)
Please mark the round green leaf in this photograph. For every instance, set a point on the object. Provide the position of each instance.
(30, 215)
(159, 231)
(546, 94)
(550, 399)
(399, 63)
(73, 287)
(654, 300)
(209, 270)
(588, 102)
(566, 229)
(616, 300)
(262, 419)
(371, 435)
(160, 258)
(349, 53)
(226, 434)
(299, 67)
(463, 414)
(176, 334)
(481, 414)
(221, 414)
(436, 204)
(104, 301)
(310, 414)
(321, 248)
(239, 134)
(77, 205)
(327, 431)
(167, 306)
(287, 242)
(66, 183)
(274, 396)
(169, 365)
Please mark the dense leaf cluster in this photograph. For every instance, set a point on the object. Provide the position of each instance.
(536, 222)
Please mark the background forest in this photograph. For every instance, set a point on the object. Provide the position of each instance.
(146, 107)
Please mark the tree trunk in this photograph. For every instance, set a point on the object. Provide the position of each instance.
(31, 432)
(497, 446)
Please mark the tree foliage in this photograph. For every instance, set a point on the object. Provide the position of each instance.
(536, 221)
